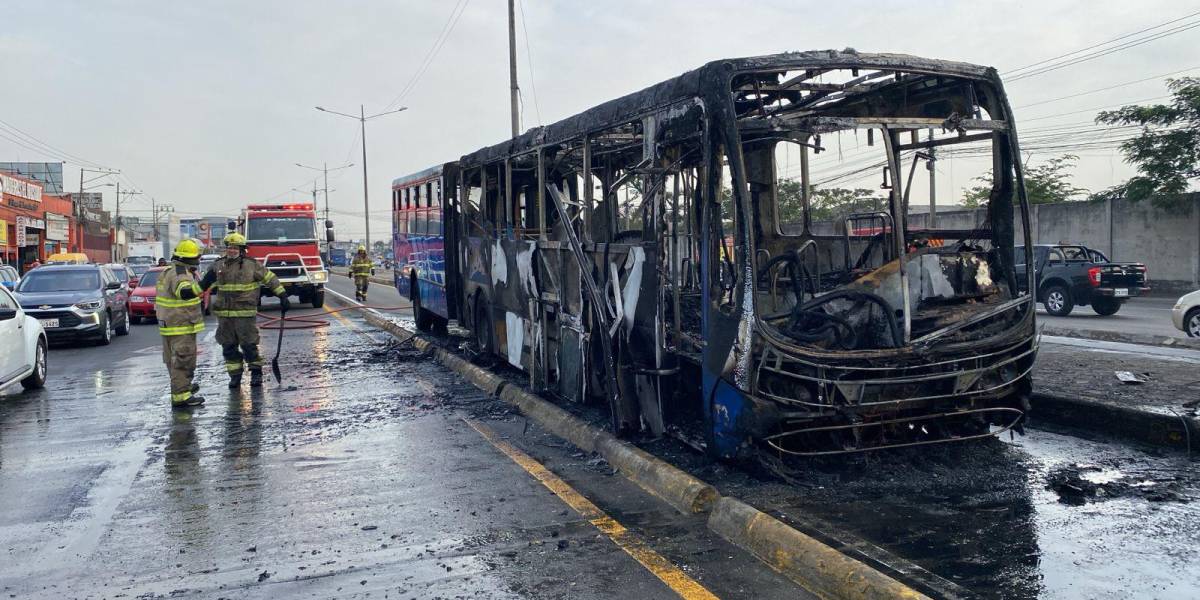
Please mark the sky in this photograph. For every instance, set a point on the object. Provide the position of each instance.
(207, 105)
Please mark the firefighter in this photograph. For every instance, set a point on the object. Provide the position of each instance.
(360, 270)
(177, 307)
(237, 280)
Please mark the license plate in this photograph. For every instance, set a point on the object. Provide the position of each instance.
(1121, 292)
(48, 323)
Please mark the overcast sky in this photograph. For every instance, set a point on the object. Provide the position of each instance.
(207, 105)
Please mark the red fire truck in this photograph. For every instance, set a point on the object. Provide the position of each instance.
(284, 238)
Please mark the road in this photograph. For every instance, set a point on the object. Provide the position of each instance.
(1147, 316)
(370, 472)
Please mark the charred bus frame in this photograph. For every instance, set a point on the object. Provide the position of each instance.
(633, 254)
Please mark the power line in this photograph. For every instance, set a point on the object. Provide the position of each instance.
(1105, 52)
(1111, 87)
(1075, 112)
(54, 151)
(529, 59)
(1105, 43)
(459, 8)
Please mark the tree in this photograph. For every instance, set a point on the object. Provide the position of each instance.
(1167, 152)
(827, 203)
(1044, 184)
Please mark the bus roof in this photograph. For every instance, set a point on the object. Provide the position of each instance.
(417, 177)
(708, 80)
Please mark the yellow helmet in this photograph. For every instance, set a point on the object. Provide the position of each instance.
(234, 239)
(362, 248)
(188, 248)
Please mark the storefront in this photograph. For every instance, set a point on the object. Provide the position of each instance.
(22, 216)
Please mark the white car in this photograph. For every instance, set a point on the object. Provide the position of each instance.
(23, 352)
(1186, 314)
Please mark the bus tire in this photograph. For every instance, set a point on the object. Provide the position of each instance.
(482, 326)
(423, 317)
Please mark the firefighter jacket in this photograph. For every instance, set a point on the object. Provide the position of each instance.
(236, 282)
(177, 302)
(360, 266)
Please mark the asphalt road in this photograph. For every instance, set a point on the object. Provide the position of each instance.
(365, 474)
(1148, 316)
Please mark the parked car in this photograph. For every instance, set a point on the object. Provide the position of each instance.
(76, 302)
(9, 276)
(1072, 275)
(23, 353)
(1186, 314)
(138, 269)
(141, 300)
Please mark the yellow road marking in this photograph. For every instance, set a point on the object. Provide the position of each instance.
(351, 324)
(630, 542)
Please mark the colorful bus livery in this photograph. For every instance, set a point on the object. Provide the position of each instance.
(420, 236)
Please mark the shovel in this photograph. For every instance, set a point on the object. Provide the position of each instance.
(279, 347)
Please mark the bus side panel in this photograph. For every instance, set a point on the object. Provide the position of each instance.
(402, 249)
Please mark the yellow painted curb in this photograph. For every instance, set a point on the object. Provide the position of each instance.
(803, 559)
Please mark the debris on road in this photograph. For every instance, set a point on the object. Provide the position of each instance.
(1131, 378)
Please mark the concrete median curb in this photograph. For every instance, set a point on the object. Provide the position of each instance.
(807, 561)
(1165, 429)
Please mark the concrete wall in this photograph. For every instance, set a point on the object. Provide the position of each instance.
(1167, 241)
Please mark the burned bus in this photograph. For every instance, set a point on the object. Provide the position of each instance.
(671, 255)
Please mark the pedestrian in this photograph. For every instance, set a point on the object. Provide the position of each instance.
(177, 307)
(361, 269)
(238, 281)
(162, 262)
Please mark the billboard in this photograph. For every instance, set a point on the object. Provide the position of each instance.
(50, 175)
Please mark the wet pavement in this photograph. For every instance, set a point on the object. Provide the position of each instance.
(362, 476)
(359, 476)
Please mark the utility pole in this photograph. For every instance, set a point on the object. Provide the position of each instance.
(512, 68)
(362, 118)
(931, 164)
(117, 218)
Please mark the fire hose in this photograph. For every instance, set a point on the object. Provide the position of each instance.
(312, 321)
(283, 322)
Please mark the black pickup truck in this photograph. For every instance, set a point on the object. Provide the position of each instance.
(1071, 275)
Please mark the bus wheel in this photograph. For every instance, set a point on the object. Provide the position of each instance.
(423, 317)
(483, 326)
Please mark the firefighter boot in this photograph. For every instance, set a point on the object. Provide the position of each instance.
(235, 379)
(190, 402)
(256, 378)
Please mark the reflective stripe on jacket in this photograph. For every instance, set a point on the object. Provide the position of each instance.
(176, 314)
(360, 267)
(236, 282)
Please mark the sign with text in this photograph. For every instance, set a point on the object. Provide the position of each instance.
(57, 228)
(20, 188)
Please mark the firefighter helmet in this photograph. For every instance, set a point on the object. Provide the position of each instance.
(235, 239)
(362, 248)
(188, 248)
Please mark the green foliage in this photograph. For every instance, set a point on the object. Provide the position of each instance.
(827, 203)
(1044, 184)
(1167, 152)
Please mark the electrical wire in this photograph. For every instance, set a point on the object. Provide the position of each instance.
(455, 14)
(1105, 43)
(1111, 87)
(1105, 52)
(529, 59)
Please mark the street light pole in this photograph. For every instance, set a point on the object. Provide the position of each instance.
(362, 119)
